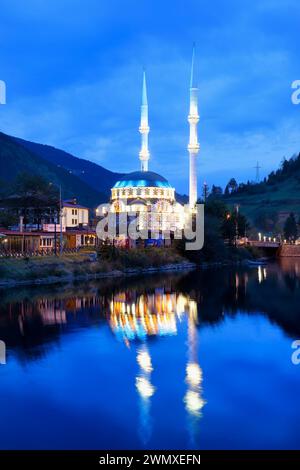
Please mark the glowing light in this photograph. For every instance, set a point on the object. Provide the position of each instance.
(148, 315)
(259, 274)
(194, 403)
(193, 309)
(193, 374)
(265, 273)
(142, 184)
(144, 361)
(144, 387)
(259, 237)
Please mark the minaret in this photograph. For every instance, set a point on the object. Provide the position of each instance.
(193, 146)
(144, 128)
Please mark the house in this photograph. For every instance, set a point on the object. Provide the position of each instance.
(84, 237)
(74, 231)
(74, 215)
(13, 241)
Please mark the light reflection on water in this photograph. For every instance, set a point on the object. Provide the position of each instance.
(157, 314)
(181, 348)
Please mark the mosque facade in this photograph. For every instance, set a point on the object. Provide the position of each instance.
(148, 195)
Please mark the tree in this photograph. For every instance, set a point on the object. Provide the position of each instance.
(216, 191)
(231, 187)
(234, 224)
(205, 192)
(290, 227)
(107, 250)
(32, 197)
(7, 218)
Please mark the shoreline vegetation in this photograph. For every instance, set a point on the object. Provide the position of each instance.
(88, 266)
(221, 230)
(85, 266)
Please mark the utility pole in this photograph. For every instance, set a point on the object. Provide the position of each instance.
(257, 175)
(55, 237)
(237, 207)
(61, 215)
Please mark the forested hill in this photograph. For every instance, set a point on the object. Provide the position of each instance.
(96, 176)
(269, 202)
(17, 158)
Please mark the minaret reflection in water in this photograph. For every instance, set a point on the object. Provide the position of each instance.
(145, 390)
(135, 317)
(193, 398)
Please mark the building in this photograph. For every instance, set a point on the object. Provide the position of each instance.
(149, 197)
(80, 237)
(72, 230)
(74, 215)
(14, 241)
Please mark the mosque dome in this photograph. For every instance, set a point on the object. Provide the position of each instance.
(142, 179)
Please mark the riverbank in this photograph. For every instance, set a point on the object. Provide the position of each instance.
(85, 266)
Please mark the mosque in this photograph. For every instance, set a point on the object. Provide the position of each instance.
(149, 195)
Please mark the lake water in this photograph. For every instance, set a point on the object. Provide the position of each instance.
(199, 360)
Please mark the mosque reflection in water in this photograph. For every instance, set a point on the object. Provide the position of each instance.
(132, 317)
(142, 317)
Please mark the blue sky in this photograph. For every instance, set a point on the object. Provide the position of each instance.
(73, 72)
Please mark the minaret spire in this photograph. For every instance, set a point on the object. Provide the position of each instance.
(144, 128)
(193, 146)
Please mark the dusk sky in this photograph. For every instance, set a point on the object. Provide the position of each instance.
(73, 72)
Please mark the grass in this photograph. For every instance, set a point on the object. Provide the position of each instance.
(282, 197)
(74, 265)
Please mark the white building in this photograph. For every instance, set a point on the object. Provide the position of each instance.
(74, 215)
(148, 194)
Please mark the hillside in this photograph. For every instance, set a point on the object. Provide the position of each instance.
(96, 176)
(270, 202)
(16, 158)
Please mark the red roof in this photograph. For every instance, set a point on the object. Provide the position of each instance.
(4, 231)
(79, 231)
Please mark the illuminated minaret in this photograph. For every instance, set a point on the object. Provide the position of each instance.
(144, 128)
(193, 146)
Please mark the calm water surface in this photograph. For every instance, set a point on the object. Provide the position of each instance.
(196, 360)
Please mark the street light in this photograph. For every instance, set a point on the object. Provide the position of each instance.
(237, 207)
(60, 218)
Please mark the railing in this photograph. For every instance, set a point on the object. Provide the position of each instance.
(38, 253)
(264, 244)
